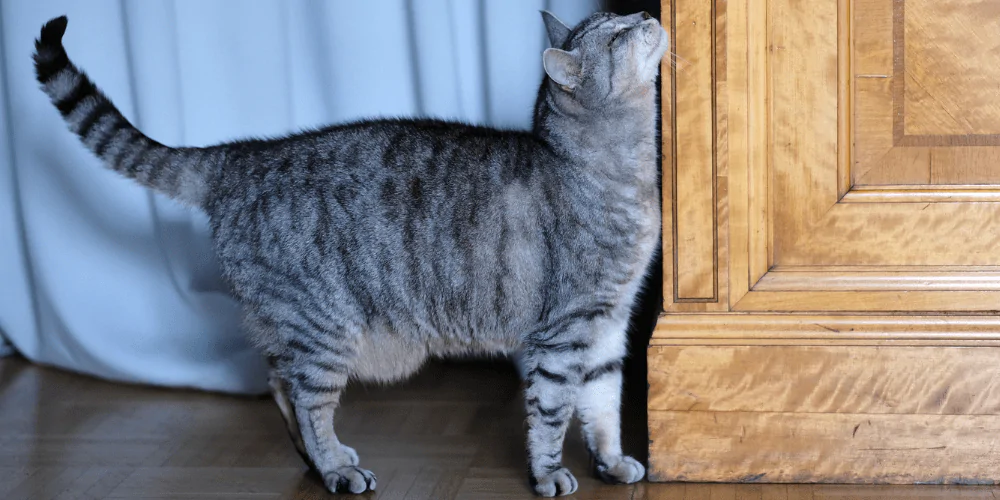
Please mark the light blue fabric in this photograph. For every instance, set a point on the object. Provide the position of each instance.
(103, 277)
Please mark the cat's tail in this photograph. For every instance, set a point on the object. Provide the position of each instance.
(185, 174)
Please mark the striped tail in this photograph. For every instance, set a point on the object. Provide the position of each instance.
(185, 174)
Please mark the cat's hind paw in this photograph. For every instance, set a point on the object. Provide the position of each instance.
(624, 469)
(558, 483)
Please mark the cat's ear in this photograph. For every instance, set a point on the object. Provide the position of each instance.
(562, 67)
(558, 32)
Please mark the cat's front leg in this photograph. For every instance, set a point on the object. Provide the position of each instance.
(599, 410)
(550, 397)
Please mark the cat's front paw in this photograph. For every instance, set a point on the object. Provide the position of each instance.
(558, 483)
(346, 454)
(624, 469)
(349, 479)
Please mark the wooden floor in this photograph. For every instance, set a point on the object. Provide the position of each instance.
(455, 431)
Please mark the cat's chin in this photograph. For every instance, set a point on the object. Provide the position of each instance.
(651, 66)
(663, 44)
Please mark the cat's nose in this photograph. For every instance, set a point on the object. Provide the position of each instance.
(645, 15)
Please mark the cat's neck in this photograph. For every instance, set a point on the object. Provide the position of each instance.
(620, 135)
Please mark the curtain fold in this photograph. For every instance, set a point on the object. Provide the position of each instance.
(103, 277)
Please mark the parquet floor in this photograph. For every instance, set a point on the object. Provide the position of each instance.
(455, 431)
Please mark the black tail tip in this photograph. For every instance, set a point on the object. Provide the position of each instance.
(53, 32)
(50, 56)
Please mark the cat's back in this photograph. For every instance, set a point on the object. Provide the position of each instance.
(379, 161)
(386, 146)
(392, 164)
(412, 218)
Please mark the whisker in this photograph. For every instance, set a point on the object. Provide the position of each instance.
(673, 60)
(676, 56)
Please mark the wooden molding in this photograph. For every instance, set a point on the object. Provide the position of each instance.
(922, 194)
(845, 74)
(802, 329)
(875, 280)
(759, 135)
(960, 301)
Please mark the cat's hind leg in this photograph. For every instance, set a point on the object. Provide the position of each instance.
(598, 405)
(313, 373)
(280, 395)
(599, 409)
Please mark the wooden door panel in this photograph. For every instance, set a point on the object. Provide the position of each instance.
(696, 215)
(927, 102)
(947, 50)
(827, 150)
(695, 250)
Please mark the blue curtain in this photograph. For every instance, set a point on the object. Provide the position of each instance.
(101, 276)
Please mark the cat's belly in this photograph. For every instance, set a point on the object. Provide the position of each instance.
(391, 356)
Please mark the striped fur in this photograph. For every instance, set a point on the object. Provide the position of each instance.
(360, 250)
(182, 173)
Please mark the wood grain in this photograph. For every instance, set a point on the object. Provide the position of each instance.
(455, 431)
(804, 77)
(871, 107)
(965, 165)
(892, 227)
(825, 379)
(886, 234)
(863, 273)
(898, 166)
(696, 280)
(823, 447)
(789, 111)
(681, 491)
(721, 180)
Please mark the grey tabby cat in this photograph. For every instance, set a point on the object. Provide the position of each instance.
(360, 250)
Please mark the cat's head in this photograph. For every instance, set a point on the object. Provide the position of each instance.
(605, 57)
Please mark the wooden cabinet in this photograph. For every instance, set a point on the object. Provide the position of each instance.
(831, 200)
